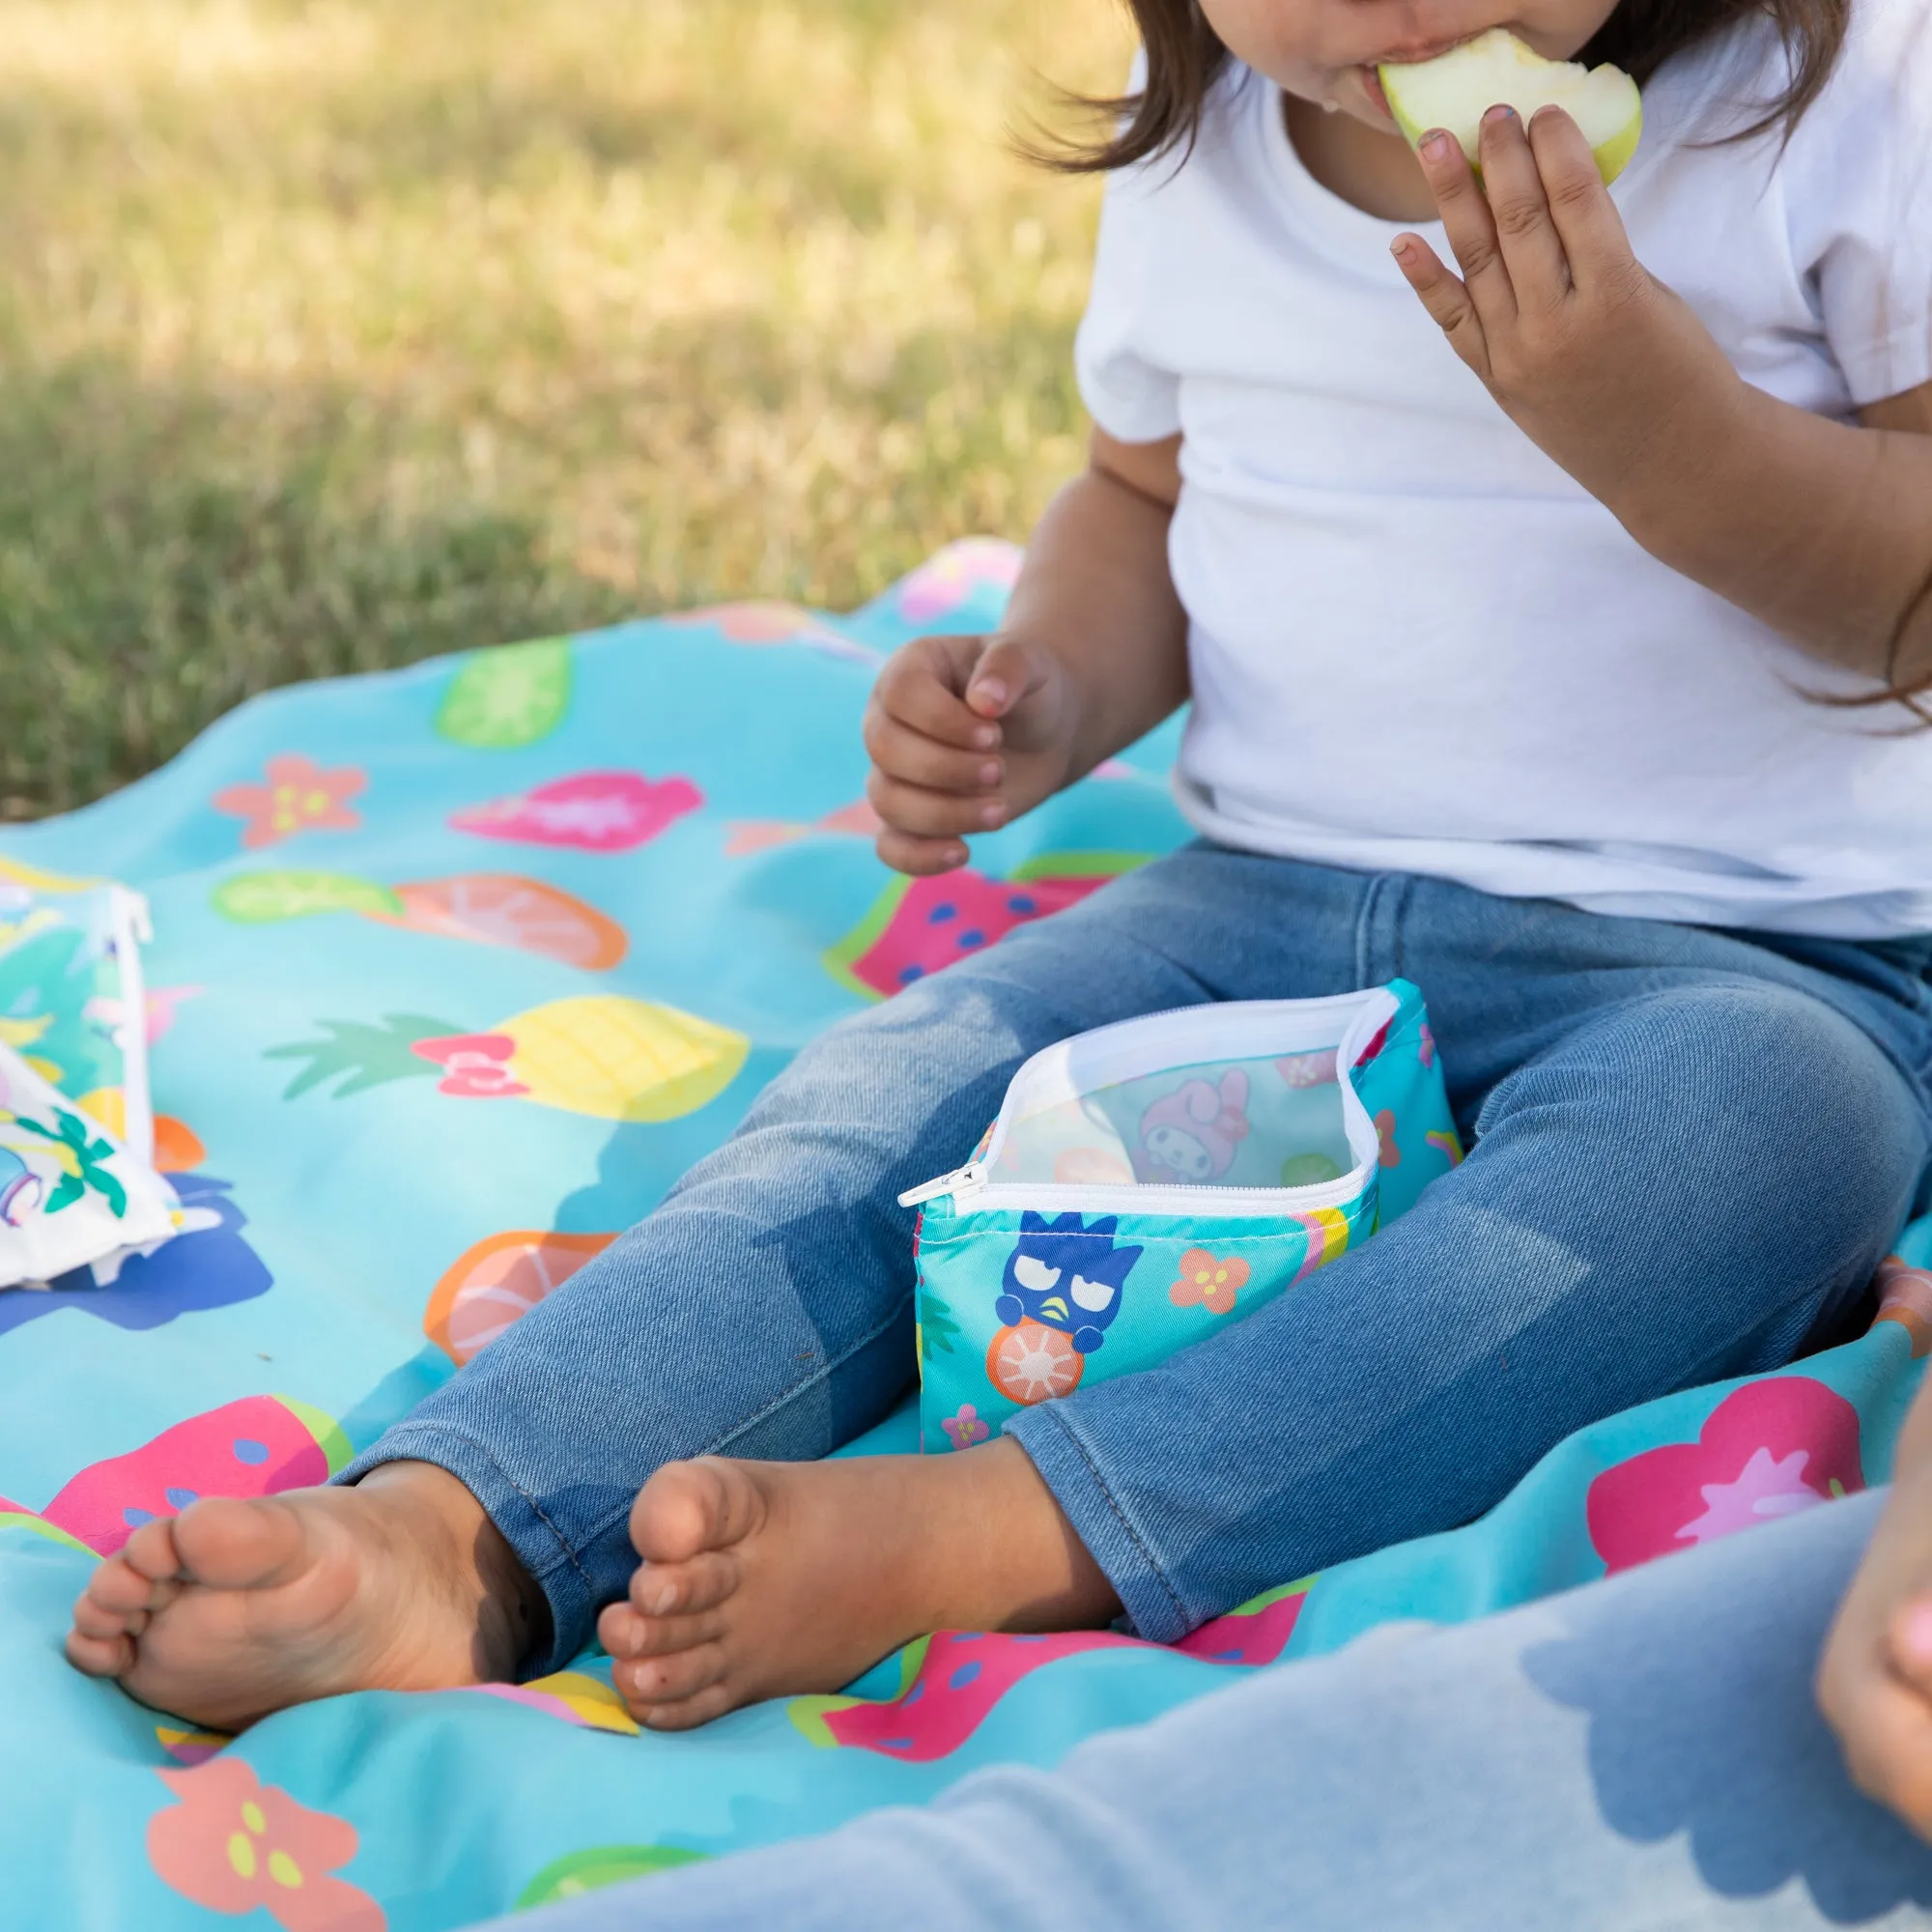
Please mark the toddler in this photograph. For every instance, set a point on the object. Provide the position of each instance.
(1551, 628)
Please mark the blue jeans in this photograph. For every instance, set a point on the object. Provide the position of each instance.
(1641, 1753)
(1689, 1148)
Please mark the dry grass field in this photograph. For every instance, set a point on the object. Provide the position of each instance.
(335, 334)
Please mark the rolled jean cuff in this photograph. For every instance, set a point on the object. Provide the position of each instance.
(1152, 1605)
(538, 1544)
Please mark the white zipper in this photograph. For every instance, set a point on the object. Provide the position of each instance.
(970, 1184)
(1223, 1030)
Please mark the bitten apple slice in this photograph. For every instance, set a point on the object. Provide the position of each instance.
(1455, 91)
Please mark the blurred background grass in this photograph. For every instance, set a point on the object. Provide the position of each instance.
(334, 335)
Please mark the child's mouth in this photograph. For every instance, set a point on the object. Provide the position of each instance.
(1372, 85)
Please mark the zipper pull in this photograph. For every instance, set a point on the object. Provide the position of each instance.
(962, 1181)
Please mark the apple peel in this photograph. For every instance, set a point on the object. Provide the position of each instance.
(1455, 90)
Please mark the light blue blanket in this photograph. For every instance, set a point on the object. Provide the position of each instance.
(454, 971)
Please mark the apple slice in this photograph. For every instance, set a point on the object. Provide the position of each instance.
(1455, 91)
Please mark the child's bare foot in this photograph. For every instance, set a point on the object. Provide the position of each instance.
(762, 1579)
(233, 1609)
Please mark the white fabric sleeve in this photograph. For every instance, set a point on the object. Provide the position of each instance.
(1127, 390)
(1858, 182)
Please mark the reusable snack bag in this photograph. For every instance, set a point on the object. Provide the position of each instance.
(72, 1004)
(70, 1195)
(1150, 1180)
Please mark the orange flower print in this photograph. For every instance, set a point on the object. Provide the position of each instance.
(300, 796)
(1385, 1131)
(1207, 1282)
(234, 1843)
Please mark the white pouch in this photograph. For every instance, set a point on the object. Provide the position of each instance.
(70, 1195)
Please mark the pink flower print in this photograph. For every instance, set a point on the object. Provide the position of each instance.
(1386, 1133)
(1768, 1450)
(1208, 1282)
(1308, 1069)
(299, 795)
(966, 1427)
(233, 1844)
(1426, 1047)
(1766, 1487)
(475, 1064)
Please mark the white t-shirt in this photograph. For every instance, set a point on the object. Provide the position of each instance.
(1416, 643)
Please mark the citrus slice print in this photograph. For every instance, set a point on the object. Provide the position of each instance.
(508, 697)
(489, 908)
(499, 1281)
(1029, 1363)
(505, 909)
(601, 1866)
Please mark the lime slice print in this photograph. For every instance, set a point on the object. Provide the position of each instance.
(508, 697)
(579, 1872)
(260, 899)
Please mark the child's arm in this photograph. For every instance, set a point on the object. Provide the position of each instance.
(1820, 529)
(967, 733)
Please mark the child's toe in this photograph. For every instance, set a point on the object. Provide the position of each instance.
(652, 1682)
(688, 1713)
(702, 1582)
(100, 1655)
(235, 1542)
(689, 1507)
(149, 1553)
(119, 1586)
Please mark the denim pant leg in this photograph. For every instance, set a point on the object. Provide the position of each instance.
(1678, 1190)
(1641, 1753)
(764, 1309)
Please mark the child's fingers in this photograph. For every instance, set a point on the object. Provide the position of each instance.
(1586, 217)
(909, 755)
(1472, 230)
(1007, 672)
(922, 685)
(931, 814)
(1532, 250)
(1445, 299)
(920, 858)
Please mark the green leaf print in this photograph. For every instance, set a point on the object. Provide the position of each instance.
(937, 1329)
(87, 1151)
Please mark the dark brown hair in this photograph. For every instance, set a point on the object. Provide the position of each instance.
(1185, 58)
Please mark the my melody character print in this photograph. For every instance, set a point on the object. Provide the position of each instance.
(1149, 1180)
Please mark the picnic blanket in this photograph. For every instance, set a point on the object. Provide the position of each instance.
(454, 970)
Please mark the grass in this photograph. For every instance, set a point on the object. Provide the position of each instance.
(334, 335)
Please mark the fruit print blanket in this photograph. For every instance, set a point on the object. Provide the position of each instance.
(524, 930)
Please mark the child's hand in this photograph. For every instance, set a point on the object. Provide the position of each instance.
(965, 734)
(1596, 360)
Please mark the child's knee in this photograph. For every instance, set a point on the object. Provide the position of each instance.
(1753, 1106)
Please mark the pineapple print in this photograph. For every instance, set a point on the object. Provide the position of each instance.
(616, 1059)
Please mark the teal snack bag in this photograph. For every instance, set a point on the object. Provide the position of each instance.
(1150, 1181)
